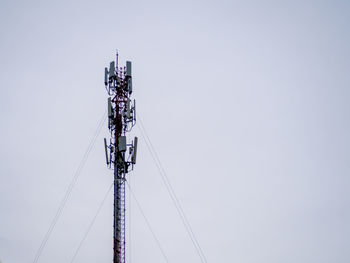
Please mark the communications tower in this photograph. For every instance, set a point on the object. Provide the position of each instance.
(120, 154)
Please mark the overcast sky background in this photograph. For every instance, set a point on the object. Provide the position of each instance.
(246, 103)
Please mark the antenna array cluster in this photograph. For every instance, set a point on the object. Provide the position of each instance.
(121, 117)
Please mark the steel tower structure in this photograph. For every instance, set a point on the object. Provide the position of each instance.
(120, 155)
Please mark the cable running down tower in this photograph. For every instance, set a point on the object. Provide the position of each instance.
(120, 155)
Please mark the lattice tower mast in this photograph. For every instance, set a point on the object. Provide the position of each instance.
(120, 155)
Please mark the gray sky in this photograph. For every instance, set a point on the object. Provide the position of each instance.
(246, 103)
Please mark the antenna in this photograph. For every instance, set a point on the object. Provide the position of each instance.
(134, 110)
(110, 110)
(128, 69)
(106, 76)
(133, 158)
(111, 70)
(107, 162)
(121, 120)
(117, 55)
(130, 85)
(128, 109)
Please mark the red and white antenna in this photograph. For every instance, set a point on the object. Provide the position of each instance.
(120, 155)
